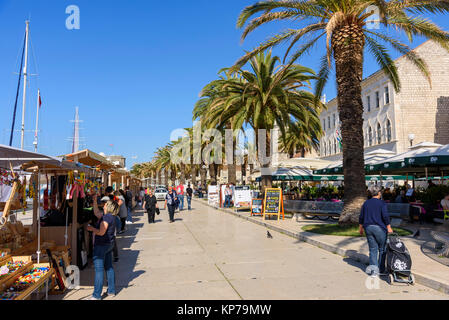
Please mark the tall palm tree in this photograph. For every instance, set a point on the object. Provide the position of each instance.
(344, 26)
(268, 95)
(213, 96)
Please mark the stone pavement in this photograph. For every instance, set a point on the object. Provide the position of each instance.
(207, 254)
(427, 271)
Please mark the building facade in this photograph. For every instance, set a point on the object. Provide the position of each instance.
(394, 120)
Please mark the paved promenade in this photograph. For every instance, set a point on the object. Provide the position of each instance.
(209, 254)
(426, 270)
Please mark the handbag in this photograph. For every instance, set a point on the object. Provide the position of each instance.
(158, 212)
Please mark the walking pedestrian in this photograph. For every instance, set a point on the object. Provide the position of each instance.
(170, 203)
(180, 193)
(189, 192)
(103, 246)
(118, 224)
(123, 211)
(129, 203)
(150, 205)
(375, 221)
(228, 196)
(141, 196)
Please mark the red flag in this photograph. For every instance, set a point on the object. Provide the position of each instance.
(40, 100)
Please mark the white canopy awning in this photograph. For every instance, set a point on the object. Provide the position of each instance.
(14, 157)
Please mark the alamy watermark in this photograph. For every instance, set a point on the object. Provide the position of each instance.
(73, 21)
(373, 21)
(228, 147)
(72, 281)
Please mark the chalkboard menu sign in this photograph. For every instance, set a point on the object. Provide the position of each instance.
(273, 204)
(256, 207)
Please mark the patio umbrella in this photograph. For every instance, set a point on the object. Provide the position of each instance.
(435, 157)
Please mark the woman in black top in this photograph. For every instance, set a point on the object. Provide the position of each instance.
(104, 236)
(150, 205)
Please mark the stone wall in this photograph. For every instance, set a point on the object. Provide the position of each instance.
(442, 121)
(417, 104)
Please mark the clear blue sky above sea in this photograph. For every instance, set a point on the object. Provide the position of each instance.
(135, 68)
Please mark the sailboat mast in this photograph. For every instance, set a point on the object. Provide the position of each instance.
(37, 119)
(25, 78)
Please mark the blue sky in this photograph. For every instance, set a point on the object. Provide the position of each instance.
(135, 68)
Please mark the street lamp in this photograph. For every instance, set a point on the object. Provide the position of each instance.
(411, 137)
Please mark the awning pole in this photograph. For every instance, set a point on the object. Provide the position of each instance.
(38, 218)
(380, 179)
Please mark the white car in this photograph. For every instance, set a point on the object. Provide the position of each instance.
(160, 193)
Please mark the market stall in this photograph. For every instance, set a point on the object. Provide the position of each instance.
(58, 232)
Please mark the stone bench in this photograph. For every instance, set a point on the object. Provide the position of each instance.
(313, 208)
(444, 239)
(397, 211)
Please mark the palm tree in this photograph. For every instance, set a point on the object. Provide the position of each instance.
(303, 136)
(212, 97)
(267, 96)
(344, 26)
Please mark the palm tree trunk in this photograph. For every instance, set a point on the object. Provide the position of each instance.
(267, 180)
(203, 174)
(213, 173)
(166, 177)
(159, 177)
(348, 44)
(183, 174)
(232, 174)
(193, 174)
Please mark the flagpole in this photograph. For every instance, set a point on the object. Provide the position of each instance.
(37, 119)
(25, 77)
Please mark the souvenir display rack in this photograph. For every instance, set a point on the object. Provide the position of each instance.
(13, 267)
(29, 281)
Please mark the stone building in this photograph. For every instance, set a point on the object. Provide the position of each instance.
(394, 120)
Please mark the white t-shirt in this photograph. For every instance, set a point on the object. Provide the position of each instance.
(445, 204)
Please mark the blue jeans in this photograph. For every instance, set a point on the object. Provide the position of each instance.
(377, 243)
(181, 202)
(189, 202)
(129, 217)
(103, 261)
(227, 203)
(118, 224)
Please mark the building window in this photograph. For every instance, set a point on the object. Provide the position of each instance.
(389, 130)
(379, 134)
(335, 120)
(329, 122)
(324, 124)
(368, 102)
(329, 147)
(387, 95)
(370, 136)
(335, 146)
(377, 100)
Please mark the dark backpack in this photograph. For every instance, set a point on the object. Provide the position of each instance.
(398, 257)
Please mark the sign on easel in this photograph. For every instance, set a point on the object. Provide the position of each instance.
(273, 204)
(256, 207)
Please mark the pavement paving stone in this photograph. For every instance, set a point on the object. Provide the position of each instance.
(213, 255)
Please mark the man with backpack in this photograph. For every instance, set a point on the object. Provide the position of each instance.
(375, 221)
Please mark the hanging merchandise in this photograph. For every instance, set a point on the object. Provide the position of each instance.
(32, 189)
(24, 203)
(46, 195)
(5, 177)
